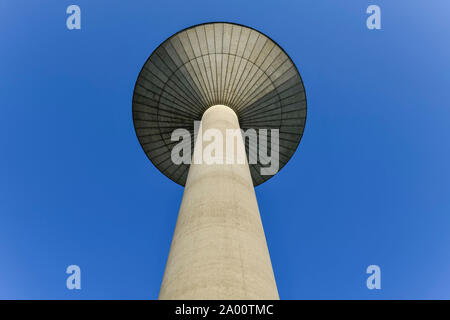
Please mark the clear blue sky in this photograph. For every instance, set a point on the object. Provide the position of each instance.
(369, 183)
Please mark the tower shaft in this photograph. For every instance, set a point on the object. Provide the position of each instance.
(219, 249)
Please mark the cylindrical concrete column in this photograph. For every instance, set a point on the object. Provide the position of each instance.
(219, 249)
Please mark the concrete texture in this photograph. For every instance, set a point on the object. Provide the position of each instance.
(217, 63)
(219, 249)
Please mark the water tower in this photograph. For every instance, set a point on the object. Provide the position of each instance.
(227, 76)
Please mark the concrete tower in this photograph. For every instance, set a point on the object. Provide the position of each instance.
(227, 76)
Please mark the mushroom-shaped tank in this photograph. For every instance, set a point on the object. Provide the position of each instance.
(217, 64)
